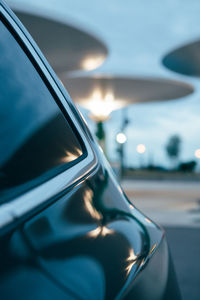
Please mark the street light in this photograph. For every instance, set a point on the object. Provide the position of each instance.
(101, 106)
(197, 153)
(101, 94)
(64, 54)
(141, 148)
(92, 62)
(121, 140)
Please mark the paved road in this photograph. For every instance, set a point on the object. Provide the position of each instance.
(176, 206)
(185, 248)
(167, 203)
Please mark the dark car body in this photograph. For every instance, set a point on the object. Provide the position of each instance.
(67, 230)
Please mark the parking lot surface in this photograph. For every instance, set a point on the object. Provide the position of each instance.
(176, 206)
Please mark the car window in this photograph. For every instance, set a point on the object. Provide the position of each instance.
(36, 138)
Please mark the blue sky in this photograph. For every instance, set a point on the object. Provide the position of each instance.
(138, 34)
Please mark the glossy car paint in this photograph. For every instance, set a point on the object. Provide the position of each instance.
(77, 236)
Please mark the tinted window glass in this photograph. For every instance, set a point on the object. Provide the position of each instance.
(35, 136)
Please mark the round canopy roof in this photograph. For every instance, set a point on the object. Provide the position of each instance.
(66, 47)
(124, 90)
(184, 60)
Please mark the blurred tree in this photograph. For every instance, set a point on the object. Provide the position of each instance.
(173, 148)
(188, 166)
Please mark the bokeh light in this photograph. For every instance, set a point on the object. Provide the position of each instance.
(141, 148)
(197, 153)
(121, 138)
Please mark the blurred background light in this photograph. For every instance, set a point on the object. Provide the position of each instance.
(197, 153)
(121, 138)
(141, 148)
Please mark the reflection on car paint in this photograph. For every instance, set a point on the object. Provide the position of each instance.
(94, 223)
